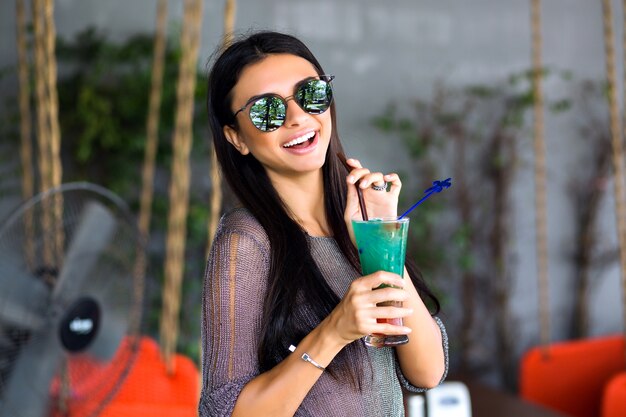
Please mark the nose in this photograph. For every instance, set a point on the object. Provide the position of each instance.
(294, 115)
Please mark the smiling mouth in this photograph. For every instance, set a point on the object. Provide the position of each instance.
(300, 142)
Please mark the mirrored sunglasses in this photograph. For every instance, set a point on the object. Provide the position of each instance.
(268, 112)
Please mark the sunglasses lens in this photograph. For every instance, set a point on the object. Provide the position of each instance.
(315, 96)
(268, 113)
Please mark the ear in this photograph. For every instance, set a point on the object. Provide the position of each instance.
(232, 136)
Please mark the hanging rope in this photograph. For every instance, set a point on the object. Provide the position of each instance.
(152, 139)
(53, 97)
(43, 126)
(229, 21)
(216, 181)
(48, 131)
(55, 130)
(24, 99)
(616, 134)
(26, 148)
(49, 147)
(179, 185)
(43, 130)
(152, 123)
(540, 176)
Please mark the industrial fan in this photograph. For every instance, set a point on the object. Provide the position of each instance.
(70, 302)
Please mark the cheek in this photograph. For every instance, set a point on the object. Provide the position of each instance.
(259, 143)
(327, 124)
(325, 119)
(252, 135)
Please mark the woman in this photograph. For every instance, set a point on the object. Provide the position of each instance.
(283, 269)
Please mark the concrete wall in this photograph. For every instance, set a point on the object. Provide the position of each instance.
(397, 50)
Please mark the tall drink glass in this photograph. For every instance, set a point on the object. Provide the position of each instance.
(382, 247)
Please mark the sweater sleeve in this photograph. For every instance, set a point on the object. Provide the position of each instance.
(235, 284)
(444, 341)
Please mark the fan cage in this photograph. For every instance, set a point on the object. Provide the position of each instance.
(35, 239)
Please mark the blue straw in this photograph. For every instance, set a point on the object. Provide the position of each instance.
(438, 186)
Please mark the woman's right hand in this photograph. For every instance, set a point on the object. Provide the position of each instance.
(357, 313)
(378, 203)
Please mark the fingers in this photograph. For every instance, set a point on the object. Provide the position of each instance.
(366, 309)
(390, 329)
(366, 178)
(363, 175)
(366, 292)
(395, 185)
(392, 312)
(379, 278)
(384, 320)
(377, 319)
(386, 294)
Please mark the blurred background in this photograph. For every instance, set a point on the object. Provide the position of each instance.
(430, 89)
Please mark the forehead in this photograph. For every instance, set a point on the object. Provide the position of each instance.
(276, 73)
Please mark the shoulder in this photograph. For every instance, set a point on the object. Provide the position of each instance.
(240, 222)
(240, 247)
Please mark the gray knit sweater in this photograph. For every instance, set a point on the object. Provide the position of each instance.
(235, 285)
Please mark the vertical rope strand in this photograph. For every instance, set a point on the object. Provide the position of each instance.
(53, 97)
(152, 139)
(43, 127)
(616, 133)
(179, 185)
(57, 239)
(152, 121)
(230, 11)
(540, 176)
(55, 130)
(43, 130)
(26, 147)
(152, 134)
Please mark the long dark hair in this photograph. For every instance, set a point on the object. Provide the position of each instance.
(294, 277)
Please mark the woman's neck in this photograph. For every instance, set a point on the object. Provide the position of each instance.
(304, 197)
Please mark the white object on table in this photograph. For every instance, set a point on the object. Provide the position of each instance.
(415, 406)
(450, 399)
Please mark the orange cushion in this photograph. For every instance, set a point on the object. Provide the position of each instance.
(148, 387)
(614, 399)
(147, 390)
(571, 377)
(152, 410)
(148, 380)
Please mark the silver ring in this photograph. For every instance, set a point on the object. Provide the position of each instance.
(379, 187)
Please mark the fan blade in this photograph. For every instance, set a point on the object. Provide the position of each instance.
(27, 391)
(5, 342)
(23, 298)
(112, 330)
(112, 287)
(95, 230)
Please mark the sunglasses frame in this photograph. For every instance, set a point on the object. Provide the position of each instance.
(326, 78)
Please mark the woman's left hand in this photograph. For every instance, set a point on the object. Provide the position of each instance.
(377, 203)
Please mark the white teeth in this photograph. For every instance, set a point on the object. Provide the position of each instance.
(299, 140)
